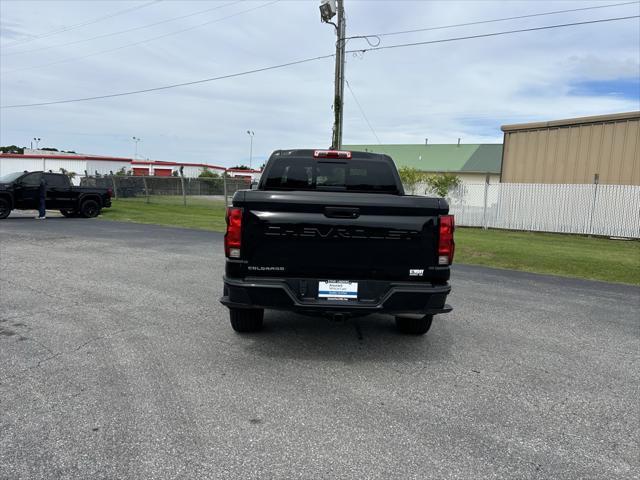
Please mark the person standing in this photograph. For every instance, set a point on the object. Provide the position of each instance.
(42, 190)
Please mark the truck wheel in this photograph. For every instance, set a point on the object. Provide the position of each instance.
(69, 212)
(89, 209)
(414, 325)
(246, 319)
(5, 208)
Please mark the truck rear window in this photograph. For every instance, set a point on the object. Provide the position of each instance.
(291, 173)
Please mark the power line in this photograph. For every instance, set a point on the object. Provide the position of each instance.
(141, 41)
(82, 24)
(307, 60)
(120, 32)
(166, 87)
(480, 22)
(364, 115)
(494, 34)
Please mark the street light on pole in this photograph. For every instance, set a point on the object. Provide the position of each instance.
(251, 133)
(135, 151)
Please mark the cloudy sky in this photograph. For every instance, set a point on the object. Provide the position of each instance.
(59, 50)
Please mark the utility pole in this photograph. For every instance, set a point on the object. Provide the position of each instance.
(328, 9)
(338, 102)
(184, 194)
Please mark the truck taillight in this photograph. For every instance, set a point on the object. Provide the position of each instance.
(109, 193)
(446, 245)
(233, 237)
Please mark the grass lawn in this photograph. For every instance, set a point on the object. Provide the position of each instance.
(557, 254)
(202, 214)
(567, 255)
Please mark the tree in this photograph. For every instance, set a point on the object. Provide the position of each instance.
(206, 173)
(240, 167)
(12, 149)
(410, 177)
(122, 172)
(441, 184)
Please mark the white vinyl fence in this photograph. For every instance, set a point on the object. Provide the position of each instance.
(608, 210)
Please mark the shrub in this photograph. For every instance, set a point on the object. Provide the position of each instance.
(410, 177)
(206, 173)
(441, 184)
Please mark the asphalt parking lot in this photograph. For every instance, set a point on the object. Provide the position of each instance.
(117, 361)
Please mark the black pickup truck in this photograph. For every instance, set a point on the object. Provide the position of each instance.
(331, 232)
(20, 191)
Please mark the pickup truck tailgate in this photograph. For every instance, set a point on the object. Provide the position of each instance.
(339, 235)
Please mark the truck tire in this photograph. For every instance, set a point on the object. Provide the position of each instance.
(69, 212)
(5, 208)
(414, 325)
(246, 320)
(89, 209)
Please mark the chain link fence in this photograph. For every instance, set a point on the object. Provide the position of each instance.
(181, 189)
(592, 209)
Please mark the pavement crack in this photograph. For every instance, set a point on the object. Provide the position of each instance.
(70, 351)
(42, 345)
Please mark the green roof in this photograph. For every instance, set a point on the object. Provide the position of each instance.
(465, 158)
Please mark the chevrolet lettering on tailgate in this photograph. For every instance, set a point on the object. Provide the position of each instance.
(338, 232)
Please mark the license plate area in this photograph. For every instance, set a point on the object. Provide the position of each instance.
(338, 290)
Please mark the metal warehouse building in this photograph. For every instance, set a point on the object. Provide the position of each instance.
(603, 149)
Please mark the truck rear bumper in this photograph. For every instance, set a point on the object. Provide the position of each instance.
(299, 295)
